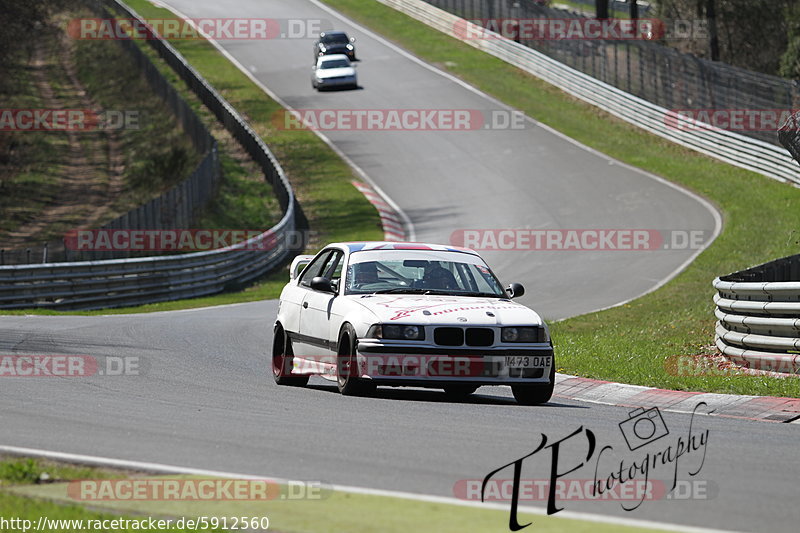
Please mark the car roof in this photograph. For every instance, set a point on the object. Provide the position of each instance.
(332, 57)
(332, 32)
(364, 246)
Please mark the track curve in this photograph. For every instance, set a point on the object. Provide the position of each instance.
(204, 396)
(485, 179)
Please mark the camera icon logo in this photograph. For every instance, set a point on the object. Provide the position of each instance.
(643, 427)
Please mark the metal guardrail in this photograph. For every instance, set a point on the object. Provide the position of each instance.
(646, 68)
(120, 282)
(758, 313)
(742, 151)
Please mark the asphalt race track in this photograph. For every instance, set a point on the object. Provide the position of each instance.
(204, 399)
(203, 396)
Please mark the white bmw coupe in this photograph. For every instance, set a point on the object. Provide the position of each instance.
(408, 314)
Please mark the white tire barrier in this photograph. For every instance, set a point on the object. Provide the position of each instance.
(758, 316)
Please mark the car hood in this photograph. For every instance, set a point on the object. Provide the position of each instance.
(457, 310)
(335, 72)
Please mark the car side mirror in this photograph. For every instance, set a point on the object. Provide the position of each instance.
(298, 264)
(515, 290)
(321, 284)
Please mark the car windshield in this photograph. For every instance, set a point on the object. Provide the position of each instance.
(335, 63)
(399, 271)
(336, 38)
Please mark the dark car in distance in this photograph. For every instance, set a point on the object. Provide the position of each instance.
(335, 42)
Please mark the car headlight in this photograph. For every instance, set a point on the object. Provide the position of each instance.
(521, 334)
(349, 46)
(397, 332)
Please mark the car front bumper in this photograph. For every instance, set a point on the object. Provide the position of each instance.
(343, 81)
(431, 366)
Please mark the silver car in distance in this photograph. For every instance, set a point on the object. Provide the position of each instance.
(333, 70)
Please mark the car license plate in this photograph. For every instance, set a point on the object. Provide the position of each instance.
(526, 361)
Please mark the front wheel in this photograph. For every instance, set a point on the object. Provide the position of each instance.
(347, 378)
(283, 361)
(537, 393)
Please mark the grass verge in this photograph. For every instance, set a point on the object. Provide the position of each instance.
(157, 153)
(313, 511)
(631, 343)
(23, 512)
(94, 175)
(30, 161)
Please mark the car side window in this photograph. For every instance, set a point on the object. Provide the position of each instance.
(314, 268)
(336, 267)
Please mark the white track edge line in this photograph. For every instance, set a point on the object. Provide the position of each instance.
(168, 469)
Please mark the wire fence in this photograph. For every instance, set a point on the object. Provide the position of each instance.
(649, 70)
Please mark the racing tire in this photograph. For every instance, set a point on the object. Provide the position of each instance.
(459, 391)
(282, 356)
(537, 393)
(346, 366)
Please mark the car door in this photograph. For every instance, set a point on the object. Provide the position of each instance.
(293, 294)
(302, 340)
(317, 319)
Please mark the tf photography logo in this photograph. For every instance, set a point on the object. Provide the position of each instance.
(643, 427)
(643, 430)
